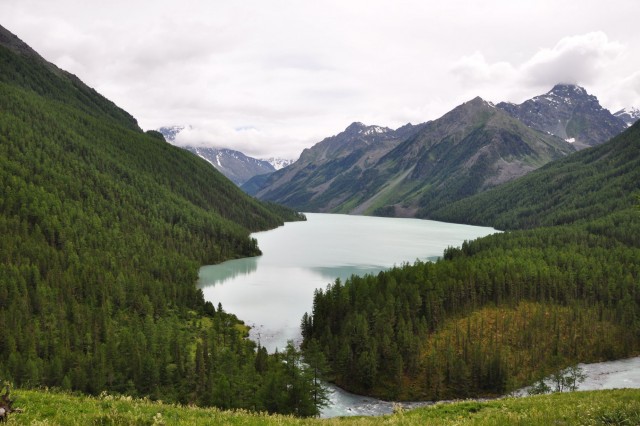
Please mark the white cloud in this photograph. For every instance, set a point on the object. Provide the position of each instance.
(255, 142)
(624, 93)
(585, 59)
(296, 72)
(474, 69)
(574, 59)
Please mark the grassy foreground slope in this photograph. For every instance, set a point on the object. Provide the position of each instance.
(608, 407)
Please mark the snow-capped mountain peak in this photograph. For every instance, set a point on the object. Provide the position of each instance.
(170, 132)
(279, 163)
(569, 112)
(235, 165)
(372, 130)
(628, 115)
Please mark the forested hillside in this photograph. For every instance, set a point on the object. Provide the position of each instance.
(584, 186)
(103, 230)
(502, 311)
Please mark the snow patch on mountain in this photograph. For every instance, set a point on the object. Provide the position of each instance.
(235, 165)
(372, 130)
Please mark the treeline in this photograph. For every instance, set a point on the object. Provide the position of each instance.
(103, 231)
(489, 317)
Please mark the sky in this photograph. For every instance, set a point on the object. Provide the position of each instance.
(272, 77)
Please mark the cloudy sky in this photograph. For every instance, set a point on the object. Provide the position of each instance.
(272, 77)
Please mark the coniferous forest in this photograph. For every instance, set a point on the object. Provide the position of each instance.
(502, 311)
(104, 228)
(103, 231)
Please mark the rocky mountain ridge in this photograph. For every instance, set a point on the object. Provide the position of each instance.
(570, 113)
(405, 172)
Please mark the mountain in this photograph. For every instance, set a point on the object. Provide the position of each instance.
(279, 163)
(570, 113)
(583, 186)
(308, 183)
(628, 115)
(104, 228)
(414, 169)
(235, 165)
(170, 133)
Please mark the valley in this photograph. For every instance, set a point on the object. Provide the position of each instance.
(105, 227)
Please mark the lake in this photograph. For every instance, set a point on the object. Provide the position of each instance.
(271, 292)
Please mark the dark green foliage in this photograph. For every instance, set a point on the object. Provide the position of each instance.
(30, 72)
(291, 386)
(103, 230)
(390, 334)
(155, 134)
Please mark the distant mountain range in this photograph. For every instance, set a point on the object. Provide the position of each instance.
(417, 169)
(235, 165)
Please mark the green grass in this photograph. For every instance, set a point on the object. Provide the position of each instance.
(611, 407)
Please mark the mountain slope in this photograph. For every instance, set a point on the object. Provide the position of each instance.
(570, 113)
(103, 229)
(468, 150)
(411, 171)
(48, 80)
(309, 183)
(602, 179)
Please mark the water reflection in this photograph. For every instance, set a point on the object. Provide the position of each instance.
(227, 271)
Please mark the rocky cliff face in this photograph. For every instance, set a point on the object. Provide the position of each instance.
(570, 113)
